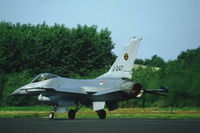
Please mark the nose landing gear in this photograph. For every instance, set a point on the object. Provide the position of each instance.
(51, 115)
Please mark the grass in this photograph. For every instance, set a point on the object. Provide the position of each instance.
(157, 113)
(25, 108)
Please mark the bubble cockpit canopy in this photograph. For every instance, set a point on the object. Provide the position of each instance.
(43, 76)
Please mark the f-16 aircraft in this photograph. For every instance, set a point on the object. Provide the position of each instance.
(104, 91)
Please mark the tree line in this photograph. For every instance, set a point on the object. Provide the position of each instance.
(56, 49)
(155, 61)
(181, 76)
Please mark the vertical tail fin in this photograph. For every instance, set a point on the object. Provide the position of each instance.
(122, 67)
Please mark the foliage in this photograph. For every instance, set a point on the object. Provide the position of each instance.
(57, 49)
(12, 82)
(1, 85)
(155, 61)
(181, 76)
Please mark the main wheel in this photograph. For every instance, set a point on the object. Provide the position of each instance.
(51, 115)
(71, 114)
(101, 114)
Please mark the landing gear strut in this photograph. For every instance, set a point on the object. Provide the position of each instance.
(51, 114)
(101, 114)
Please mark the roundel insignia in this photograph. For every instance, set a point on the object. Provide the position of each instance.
(125, 56)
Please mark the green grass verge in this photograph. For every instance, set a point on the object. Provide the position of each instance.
(25, 108)
(155, 113)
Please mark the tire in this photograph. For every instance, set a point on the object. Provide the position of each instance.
(71, 114)
(101, 114)
(51, 115)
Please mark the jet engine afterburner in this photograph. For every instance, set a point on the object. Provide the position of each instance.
(137, 90)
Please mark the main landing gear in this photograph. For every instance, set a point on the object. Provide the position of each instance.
(72, 114)
(101, 114)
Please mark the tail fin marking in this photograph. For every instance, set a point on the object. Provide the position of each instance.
(122, 67)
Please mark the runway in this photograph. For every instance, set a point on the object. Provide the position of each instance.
(39, 125)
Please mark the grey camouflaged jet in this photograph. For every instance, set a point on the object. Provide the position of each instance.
(104, 91)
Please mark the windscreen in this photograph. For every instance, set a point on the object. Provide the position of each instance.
(43, 76)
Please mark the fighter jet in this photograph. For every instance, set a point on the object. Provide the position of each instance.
(104, 91)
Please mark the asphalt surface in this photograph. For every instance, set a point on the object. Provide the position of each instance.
(42, 125)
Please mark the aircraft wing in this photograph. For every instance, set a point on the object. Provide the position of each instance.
(85, 90)
(107, 91)
(70, 89)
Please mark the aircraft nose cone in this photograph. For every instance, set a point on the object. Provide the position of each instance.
(15, 93)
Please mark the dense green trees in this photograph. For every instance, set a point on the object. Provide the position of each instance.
(182, 76)
(12, 82)
(155, 61)
(56, 49)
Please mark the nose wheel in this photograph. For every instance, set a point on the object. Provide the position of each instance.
(51, 115)
(101, 114)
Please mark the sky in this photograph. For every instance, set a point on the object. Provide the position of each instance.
(166, 26)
